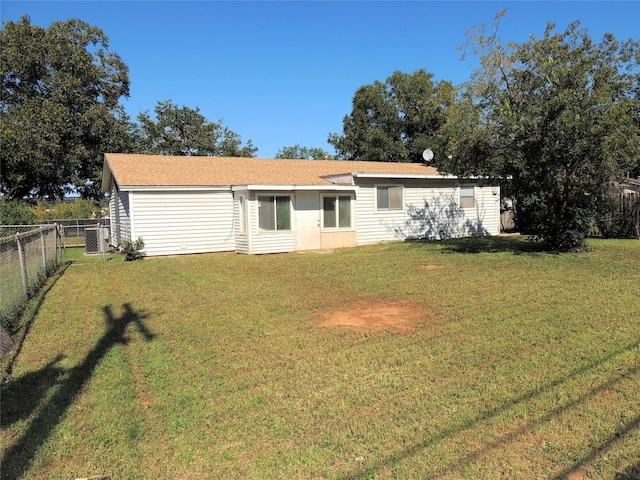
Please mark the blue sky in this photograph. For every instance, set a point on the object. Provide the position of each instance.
(284, 73)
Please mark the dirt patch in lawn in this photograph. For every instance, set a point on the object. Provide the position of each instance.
(430, 267)
(399, 317)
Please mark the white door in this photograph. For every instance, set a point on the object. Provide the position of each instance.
(307, 208)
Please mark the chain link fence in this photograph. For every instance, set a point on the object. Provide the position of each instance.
(28, 255)
(73, 230)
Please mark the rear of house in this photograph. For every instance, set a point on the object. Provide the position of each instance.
(181, 205)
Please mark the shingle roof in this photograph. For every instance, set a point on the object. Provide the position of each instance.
(159, 170)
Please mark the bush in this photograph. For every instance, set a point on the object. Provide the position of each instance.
(80, 208)
(132, 250)
(15, 212)
(619, 216)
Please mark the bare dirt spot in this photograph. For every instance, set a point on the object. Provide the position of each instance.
(430, 267)
(577, 475)
(370, 318)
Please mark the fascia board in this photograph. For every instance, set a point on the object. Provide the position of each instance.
(106, 176)
(276, 188)
(342, 178)
(429, 176)
(174, 188)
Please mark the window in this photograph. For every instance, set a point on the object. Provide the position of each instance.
(389, 198)
(467, 198)
(274, 213)
(242, 210)
(336, 211)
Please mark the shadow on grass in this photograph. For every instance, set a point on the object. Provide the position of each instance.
(30, 391)
(518, 245)
(631, 473)
(534, 392)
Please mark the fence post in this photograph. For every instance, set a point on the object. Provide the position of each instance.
(23, 266)
(43, 244)
(59, 244)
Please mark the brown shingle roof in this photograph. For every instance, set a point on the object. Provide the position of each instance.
(158, 170)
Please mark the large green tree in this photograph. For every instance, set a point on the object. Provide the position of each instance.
(185, 131)
(395, 121)
(303, 153)
(555, 119)
(59, 109)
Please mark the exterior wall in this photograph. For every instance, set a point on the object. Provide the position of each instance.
(488, 209)
(241, 237)
(185, 222)
(330, 240)
(431, 210)
(305, 223)
(173, 223)
(119, 215)
(259, 242)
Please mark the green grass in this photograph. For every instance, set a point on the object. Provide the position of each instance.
(523, 364)
(74, 242)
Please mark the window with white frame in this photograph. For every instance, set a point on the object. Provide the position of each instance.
(389, 197)
(242, 214)
(467, 197)
(274, 212)
(336, 211)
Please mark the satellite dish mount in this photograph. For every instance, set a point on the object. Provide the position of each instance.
(427, 155)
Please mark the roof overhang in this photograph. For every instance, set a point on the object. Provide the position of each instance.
(107, 176)
(419, 176)
(174, 188)
(283, 188)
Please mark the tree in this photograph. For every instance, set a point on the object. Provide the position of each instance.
(184, 131)
(59, 108)
(396, 120)
(15, 212)
(303, 153)
(556, 120)
(80, 208)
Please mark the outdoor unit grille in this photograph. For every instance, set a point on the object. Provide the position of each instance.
(91, 237)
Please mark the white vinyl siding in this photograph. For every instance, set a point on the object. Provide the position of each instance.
(431, 211)
(183, 222)
(374, 225)
(262, 241)
(119, 215)
(172, 223)
(241, 239)
(242, 215)
(488, 209)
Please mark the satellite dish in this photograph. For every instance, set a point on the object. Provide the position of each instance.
(427, 155)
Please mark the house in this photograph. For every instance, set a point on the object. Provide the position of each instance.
(182, 205)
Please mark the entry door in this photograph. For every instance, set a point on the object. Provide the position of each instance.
(307, 210)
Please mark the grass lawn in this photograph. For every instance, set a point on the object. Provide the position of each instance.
(493, 361)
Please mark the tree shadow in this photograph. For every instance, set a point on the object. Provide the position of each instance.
(440, 218)
(517, 245)
(68, 385)
(493, 412)
(631, 473)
